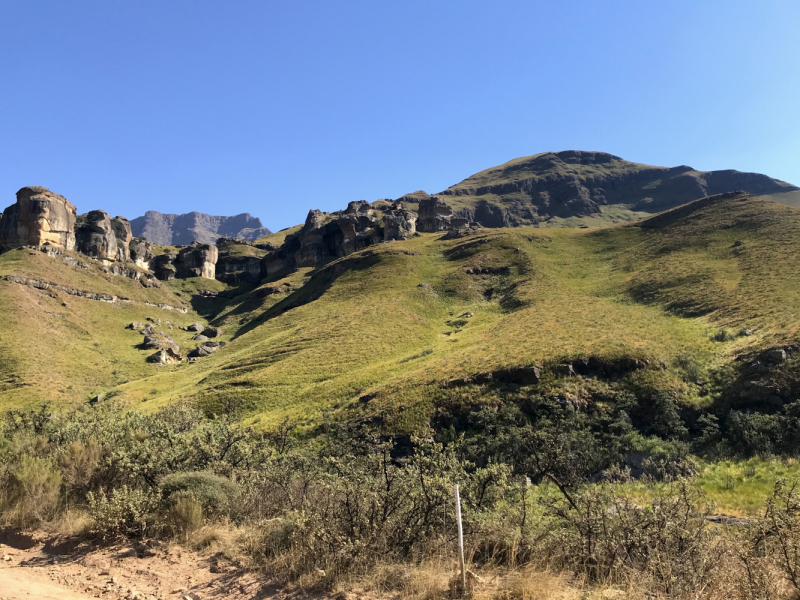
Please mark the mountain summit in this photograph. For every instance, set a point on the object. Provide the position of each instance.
(182, 230)
(548, 188)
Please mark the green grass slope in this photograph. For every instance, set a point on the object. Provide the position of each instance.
(63, 348)
(360, 337)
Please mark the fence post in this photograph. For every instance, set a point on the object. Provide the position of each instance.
(461, 543)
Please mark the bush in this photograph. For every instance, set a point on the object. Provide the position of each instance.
(216, 495)
(186, 515)
(33, 490)
(127, 511)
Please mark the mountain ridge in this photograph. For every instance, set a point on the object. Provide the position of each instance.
(550, 188)
(172, 229)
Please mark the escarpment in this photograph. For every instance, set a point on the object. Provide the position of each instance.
(47, 221)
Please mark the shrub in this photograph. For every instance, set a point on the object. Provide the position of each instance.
(186, 515)
(127, 511)
(33, 490)
(216, 495)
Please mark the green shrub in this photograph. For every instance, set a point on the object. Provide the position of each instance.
(186, 515)
(33, 489)
(216, 495)
(127, 511)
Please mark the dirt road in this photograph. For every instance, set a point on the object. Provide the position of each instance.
(20, 583)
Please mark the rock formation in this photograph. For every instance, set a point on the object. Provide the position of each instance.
(399, 223)
(122, 230)
(173, 230)
(141, 252)
(197, 260)
(326, 236)
(233, 266)
(434, 215)
(39, 218)
(95, 236)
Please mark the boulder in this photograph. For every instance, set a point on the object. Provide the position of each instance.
(39, 218)
(196, 327)
(148, 330)
(212, 332)
(199, 337)
(95, 236)
(158, 341)
(777, 355)
(205, 349)
(135, 326)
(165, 356)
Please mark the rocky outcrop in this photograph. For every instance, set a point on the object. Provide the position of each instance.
(141, 252)
(326, 236)
(238, 262)
(197, 260)
(122, 231)
(205, 349)
(95, 236)
(434, 215)
(399, 223)
(39, 218)
(163, 267)
(174, 230)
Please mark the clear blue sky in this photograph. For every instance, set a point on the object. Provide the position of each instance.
(274, 108)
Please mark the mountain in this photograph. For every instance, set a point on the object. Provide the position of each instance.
(575, 188)
(410, 332)
(181, 230)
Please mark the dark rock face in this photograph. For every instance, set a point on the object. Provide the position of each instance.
(346, 232)
(169, 230)
(39, 218)
(434, 215)
(234, 267)
(95, 236)
(196, 260)
(163, 268)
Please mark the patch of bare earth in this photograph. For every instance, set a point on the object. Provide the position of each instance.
(33, 566)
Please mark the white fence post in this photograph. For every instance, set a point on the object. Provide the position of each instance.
(461, 543)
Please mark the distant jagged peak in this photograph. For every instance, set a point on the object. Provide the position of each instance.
(174, 229)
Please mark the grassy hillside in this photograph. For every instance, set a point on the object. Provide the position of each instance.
(64, 348)
(361, 336)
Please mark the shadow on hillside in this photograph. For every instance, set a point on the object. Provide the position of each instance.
(320, 282)
(209, 307)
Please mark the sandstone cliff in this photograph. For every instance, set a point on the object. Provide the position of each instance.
(38, 218)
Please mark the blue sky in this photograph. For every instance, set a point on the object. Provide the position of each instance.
(274, 108)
